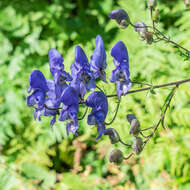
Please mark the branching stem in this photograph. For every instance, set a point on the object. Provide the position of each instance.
(162, 116)
(154, 87)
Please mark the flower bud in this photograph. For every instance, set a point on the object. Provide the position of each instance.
(151, 3)
(135, 127)
(113, 135)
(116, 156)
(140, 27)
(137, 145)
(155, 15)
(130, 117)
(149, 37)
(121, 17)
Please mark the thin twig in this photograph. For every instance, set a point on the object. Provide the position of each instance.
(170, 41)
(162, 116)
(84, 114)
(144, 135)
(147, 128)
(142, 83)
(99, 88)
(124, 143)
(109, 123)
(126, 158)
(153, 87)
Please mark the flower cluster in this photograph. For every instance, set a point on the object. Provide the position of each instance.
(62, 95)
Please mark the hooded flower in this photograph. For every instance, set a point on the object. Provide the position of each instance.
(98, 59)
(99, 104)
(37, 84)
(120, 75)
(83, 78)
(81, 61)
(57, 70)
(55, 61)
(121, 17)
(60, 79)
(37, 81)
(69, 112)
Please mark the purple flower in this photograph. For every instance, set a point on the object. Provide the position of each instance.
(69, 112)
(81, 60)
(120, 54)
(121, 17)
(51, 89)
(83, 78)
(37, 84)
(99, 104)
(60, 79)
(57, 70)
(37, 81)
(121, 75)
(51, 109)
(98, 59)
(36, 98)
(55, 61)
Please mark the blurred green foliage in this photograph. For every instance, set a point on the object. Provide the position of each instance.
(34, 156)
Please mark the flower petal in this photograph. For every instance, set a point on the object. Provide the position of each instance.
(37, 97)
(97, 100)
(80, 56)
(55, 61)
(119, 53)
(37, 81)
(71, 128)
(101, 130)
(69, 96)
(118, 14)
(98, 58)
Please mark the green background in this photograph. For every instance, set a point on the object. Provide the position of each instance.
(34, 156)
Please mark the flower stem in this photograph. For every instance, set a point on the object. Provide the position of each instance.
(109, 123)
(154, 87)
(162, 116)
(84, 114)
(124, 143)
(126, 158)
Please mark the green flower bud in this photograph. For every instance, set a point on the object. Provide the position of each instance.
(135, 127)
(116, 156)
(137, 145)
(155, 15)
(113, 135)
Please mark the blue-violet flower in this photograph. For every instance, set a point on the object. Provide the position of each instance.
(121, 74)
(99, 104)
(121, 17)
(98, 59)
(83, 78)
